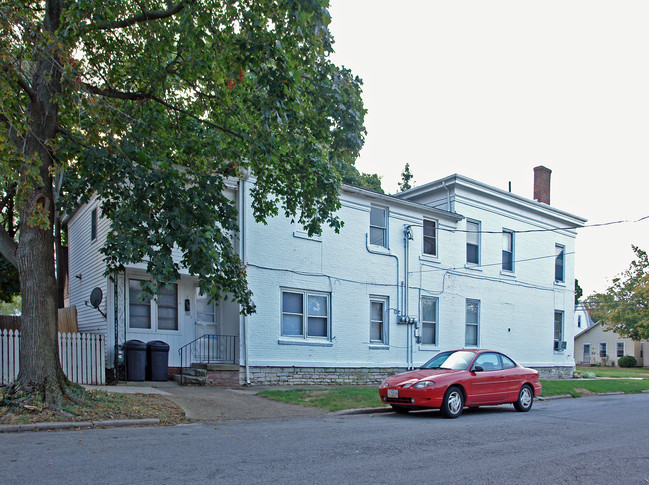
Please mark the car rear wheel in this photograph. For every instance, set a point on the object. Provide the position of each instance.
(453, 402)
(525, 399)
(400, 409)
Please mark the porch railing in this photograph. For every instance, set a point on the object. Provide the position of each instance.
(209, 349)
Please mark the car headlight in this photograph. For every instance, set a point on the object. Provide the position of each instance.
(423, 384)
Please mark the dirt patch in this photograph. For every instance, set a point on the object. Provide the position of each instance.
(585, 392)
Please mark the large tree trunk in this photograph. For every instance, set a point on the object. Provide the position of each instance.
(40, 369)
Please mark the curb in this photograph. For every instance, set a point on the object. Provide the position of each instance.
(68, 425)
(352, 411)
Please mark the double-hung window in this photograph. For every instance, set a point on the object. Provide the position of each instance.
(620, 349)
(429, 320)
(305, 314)
(379, 226)
(158, 314)
(558, 331)
(472, 323)
(378, 320)
(93, 224)
(473, 242)
(508, 250)
(602, 350)
(430, 238)
(559, 263)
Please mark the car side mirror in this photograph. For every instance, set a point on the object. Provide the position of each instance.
(477, 368)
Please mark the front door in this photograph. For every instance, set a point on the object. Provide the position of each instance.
(206, 325)
(586, 359)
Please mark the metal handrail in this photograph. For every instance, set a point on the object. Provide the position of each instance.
(208, 349)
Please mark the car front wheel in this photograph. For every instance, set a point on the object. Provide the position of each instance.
(525, 399)
(453, 402)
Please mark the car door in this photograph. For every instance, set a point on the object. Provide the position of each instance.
(512, 379)
(488, 384)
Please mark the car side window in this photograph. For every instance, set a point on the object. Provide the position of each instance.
(489, 362)
(507, 362)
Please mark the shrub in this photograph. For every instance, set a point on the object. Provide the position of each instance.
(627, 361)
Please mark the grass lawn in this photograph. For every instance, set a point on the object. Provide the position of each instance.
(335, 399)
(616, 371)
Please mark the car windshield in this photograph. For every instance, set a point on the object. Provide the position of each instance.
(458, 360)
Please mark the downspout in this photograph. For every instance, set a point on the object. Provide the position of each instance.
(367, 246)
(448, 196)
(407, 233)
(242, 238)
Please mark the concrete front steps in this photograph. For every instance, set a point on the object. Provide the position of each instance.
(219, 375)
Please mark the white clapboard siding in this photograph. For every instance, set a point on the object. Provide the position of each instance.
(82, 357)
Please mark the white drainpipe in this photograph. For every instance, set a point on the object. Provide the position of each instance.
(242, 239)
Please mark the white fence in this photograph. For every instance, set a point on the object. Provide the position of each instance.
(82, 357)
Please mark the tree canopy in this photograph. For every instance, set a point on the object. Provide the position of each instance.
(406, 177)
(152, 105)
(624, 306)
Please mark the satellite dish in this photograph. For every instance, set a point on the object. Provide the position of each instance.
(95, 297)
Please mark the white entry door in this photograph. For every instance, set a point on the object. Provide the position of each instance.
(586, 358)
(206, 323)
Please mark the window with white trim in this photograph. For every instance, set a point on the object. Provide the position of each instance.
(603, 350)
(472, 332)
(429, 320)
(379, 226)
(558, 331)
(158, 314)
(620, 349)
(508, 250)
(378, 320)
(305, 314)
(430, 238)
(473, 242)
(559, 263)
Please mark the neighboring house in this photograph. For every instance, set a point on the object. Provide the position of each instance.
(451, 264)
(596, 346)
(582, 318)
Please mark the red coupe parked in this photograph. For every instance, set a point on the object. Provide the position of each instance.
(457, 378)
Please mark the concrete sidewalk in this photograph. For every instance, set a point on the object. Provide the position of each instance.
(216, 403)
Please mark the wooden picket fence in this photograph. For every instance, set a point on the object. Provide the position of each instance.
(82, 357)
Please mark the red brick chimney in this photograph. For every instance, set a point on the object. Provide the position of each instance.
(542, 184)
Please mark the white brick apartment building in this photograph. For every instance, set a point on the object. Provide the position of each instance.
(454, 263)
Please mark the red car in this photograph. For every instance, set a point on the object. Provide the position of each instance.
(457, 378)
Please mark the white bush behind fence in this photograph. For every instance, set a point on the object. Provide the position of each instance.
(82, 357)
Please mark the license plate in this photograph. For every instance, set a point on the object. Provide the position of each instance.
(393, 392)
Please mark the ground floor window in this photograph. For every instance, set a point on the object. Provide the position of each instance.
(158, 314)
(620, 349)
(472, 323)
(378, 320)
(558, 331)
(602, 349)
(429, 320)
(305, 314)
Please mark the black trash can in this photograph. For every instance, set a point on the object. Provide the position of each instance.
(158, 360)
(135, 357)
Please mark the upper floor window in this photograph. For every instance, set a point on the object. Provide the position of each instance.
(379, 226)
(508, 250)
(378, 320)
(579, 321)
(429, 320)
(559, 260)
(305, 314)
(430, 238)
(472, 331)
(93, 224)
(473, 242)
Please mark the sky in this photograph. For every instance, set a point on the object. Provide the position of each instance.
(491, 89)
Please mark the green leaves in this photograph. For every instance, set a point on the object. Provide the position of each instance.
(160, 102)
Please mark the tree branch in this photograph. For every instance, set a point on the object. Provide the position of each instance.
(20, 81)
(141, 96)
(141, 18)
(8, 247)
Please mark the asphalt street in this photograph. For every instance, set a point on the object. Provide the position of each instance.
(589, 440)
